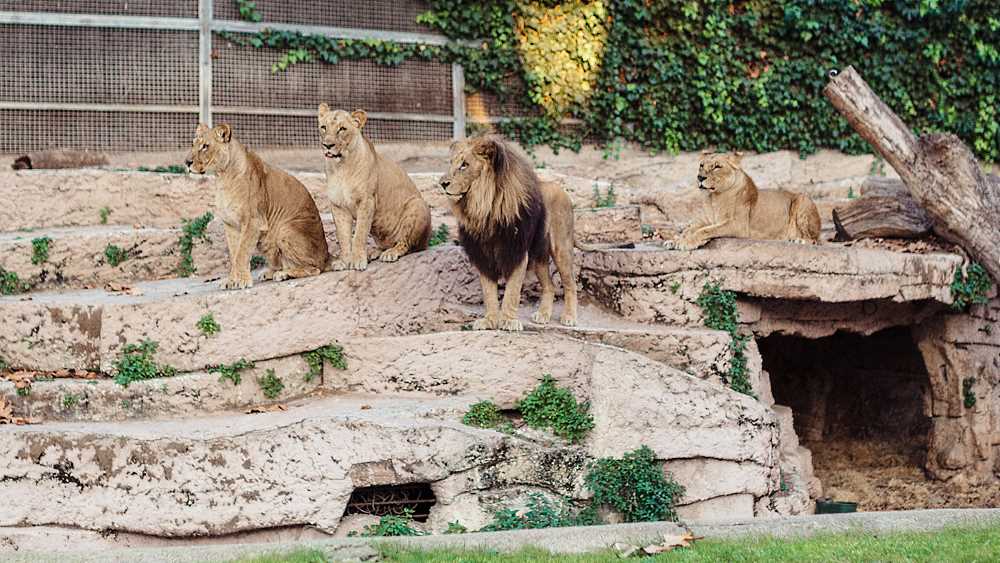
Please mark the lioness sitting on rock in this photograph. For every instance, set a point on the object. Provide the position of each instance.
(509, 220)
(736, 208)
(259, 203)
(369, 194)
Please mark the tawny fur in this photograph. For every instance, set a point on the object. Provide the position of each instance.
(734, 207)
(60, 158)
(257, 202)
(509, 222)
(370, 194)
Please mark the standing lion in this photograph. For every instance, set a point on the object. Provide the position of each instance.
(369, 193)
(509, 220)
(259, 203)
(736, 208)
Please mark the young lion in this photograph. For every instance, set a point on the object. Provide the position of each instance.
(259, 203)
(509, 220)
(736, 208)
(369, 193)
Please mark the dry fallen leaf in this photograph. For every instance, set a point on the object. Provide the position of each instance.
(21, 379)
(266, 408)
(365, 407)
(669, 543)
(6, 411)
(115, 287)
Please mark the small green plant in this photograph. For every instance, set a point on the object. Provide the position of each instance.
(70, 400)
(10, 283)
(551, 407)
(719, 309)
(850, 193)
(541, 513)
(126, 404)
(970, 287)
(647, 230)
(456, 528)
(104, 213)
(333, 353)
(606, 200)
(191, 230)
(232, 371)
(137, 363)
(3, 364)
(968, 394)
(23, 391)
(172, 169)
(439, 236)
(207, 325)
(392, 525)
(271, 384)
(675, 286)
(248, 10)
(115, 255)
(635, 486)
(484, 414)
(257, 261)
(40, 250)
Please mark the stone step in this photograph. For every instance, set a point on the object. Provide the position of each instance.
(203, 475)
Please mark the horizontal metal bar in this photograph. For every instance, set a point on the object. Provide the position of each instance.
(329, 31)
(72, 106)
(503, 119)
(98, 20)
(295, 112)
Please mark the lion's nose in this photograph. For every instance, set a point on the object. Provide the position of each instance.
(328, 147)
(189, 162)
(702, 178)
(445, 184)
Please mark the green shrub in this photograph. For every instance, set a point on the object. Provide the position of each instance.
(115, 255)
(207, 325)
(635, 486)
(137, 363)
(393, 526)
(719, 309)
(171, 169)
(104, 213)
(191, 230)
(3, 364)
(40, 250)
(551, 407)
(970, 287)
(456, 527)
(606, 200)
(541, 513)
(968, 394)
(439, 236)
(70, 400)
(231, 371)
(23, 391)
(333, 353)
(484, 414)
(271, 384)
(10, 283)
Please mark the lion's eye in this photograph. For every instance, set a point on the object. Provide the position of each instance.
(204, 148)
(342, 129)
(322, 128)
(464, 165)
(716, 167)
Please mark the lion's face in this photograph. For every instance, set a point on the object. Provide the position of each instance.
(338, 130)
(210, 149)
(719, 173)
(468, 160)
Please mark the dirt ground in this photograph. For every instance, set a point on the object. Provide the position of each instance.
(882, 475)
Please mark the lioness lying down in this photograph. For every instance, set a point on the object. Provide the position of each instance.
(259, 203)
(369, 194)
(508, 221)
(736, 208)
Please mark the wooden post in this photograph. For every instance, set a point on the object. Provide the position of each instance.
(205, 61)
(939, 170)
(458, 101)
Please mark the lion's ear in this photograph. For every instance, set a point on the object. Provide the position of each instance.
(202, 129)
(360, 117)
(735, 158)
(493, 151)
(324, 109)
(223, 132)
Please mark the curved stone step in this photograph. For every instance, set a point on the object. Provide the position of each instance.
(215, 475)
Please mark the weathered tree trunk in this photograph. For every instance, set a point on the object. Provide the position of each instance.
(885, 209)
(940, 171)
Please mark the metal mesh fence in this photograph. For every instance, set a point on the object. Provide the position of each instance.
(257, 131)
(389, 15)
(48, 129)
(173, 8)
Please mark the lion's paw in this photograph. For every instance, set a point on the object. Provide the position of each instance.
(688, 244)
(513, 325)
(360, 264)
(239, 281)
(281, 275)
(484, 324)
(390, 255)
(568, 321)
(340, 265)
(266, 275)
(540, 317)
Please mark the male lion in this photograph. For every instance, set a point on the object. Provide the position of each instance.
(369, 193)
(259, 203)
(736, 208)
(509, 220)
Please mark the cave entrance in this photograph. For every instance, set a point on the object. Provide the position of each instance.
(385, 500)
(859, 405)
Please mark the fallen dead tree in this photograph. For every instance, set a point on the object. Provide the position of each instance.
(885, 210)
(941, 173)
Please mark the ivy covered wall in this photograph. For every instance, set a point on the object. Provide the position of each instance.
(678, 75)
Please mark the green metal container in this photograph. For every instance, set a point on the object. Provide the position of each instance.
(827, 506)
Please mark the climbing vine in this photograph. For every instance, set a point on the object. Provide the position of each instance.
(677, 75)
(719, 308)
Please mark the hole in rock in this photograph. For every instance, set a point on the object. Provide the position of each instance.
(384, 500)
(858, 405)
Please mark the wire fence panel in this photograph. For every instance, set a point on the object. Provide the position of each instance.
(128, 74)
